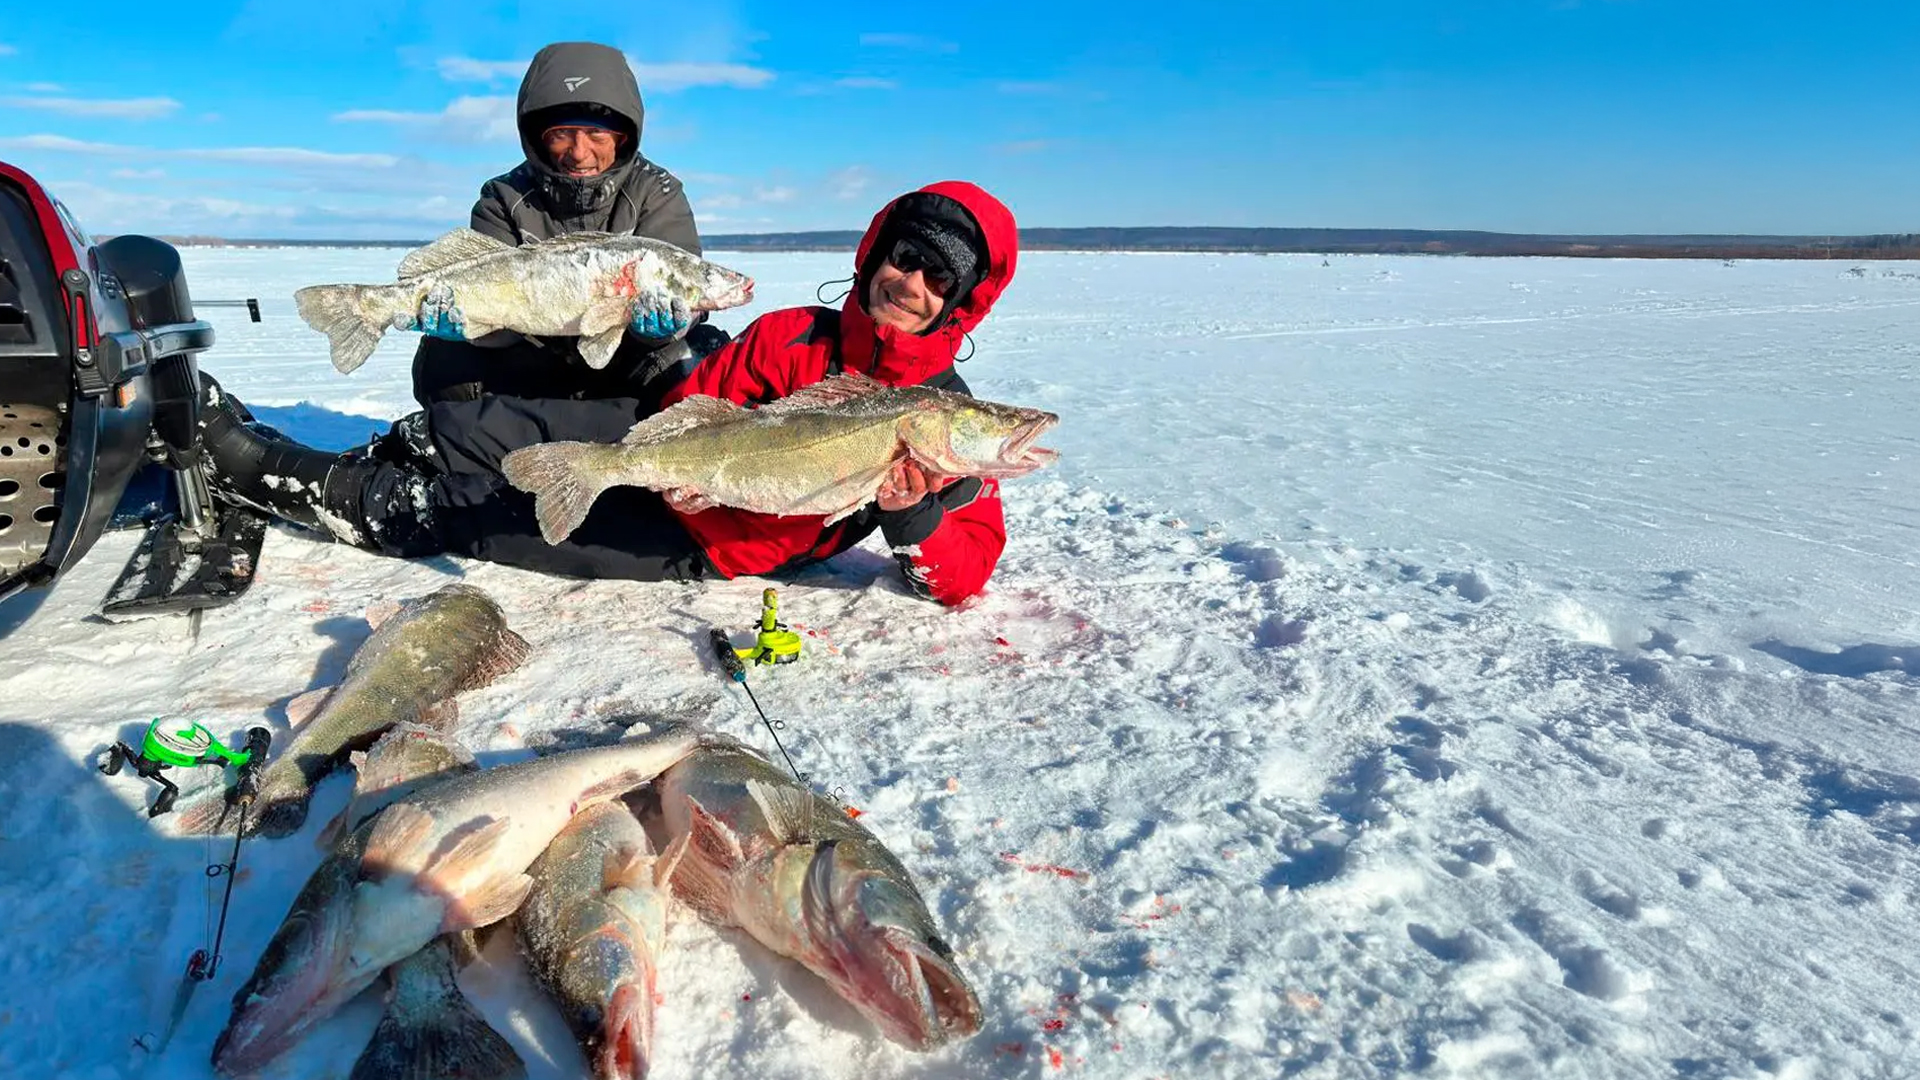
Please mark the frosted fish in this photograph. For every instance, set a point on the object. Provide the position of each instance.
(823, 450)
(580, 284)
(592, 929)
(446, 858)
(756, 850)
(422, 653)
(428, 1022)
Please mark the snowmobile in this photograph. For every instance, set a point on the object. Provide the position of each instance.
(99, 399)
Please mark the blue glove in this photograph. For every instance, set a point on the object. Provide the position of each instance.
(439, 316)
(656, 315)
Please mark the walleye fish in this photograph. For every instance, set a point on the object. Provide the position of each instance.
(422, 653)
(823, 450)
(443, 859)
(428, 1018)
(591, 930)
(577, 284)
(756, 850)
(430, 1029)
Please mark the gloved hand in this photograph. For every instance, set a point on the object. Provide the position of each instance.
(656, 315)
(439, 316)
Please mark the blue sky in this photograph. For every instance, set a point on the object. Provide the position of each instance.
(349, 118)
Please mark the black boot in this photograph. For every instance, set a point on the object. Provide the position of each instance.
(320, 490)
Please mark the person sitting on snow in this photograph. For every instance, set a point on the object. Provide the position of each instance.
(580, 117)
(929, 269)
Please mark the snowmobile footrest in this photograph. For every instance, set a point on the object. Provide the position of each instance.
(175, 569)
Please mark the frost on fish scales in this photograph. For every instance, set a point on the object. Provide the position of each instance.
(824, 450)
(580, 284)
(448, 858)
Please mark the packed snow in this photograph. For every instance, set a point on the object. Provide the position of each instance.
(1411, 667)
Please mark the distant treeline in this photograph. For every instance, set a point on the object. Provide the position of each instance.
(1305, 241)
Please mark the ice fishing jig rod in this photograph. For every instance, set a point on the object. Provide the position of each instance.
(773, 644)
(194, 745)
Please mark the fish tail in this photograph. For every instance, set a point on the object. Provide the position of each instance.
(441, 1040)
(563, 488)
(352, 316)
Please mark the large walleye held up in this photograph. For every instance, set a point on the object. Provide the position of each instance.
(580, 284)
(446, 858)
(754, 849)
(423, 652)
(824, 450)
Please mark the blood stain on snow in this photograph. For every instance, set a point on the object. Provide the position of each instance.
(1043, 868)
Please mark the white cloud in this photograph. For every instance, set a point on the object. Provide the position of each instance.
(467, 69)
(287, 156)
(7, 50)
(861, 82)
(914, 42)
(662, 78)
(776, 194)
(667, 78)
(43, 88)
(151, 108)
(1024, 146)
(138, 174)
(488, 118)
(849, 183)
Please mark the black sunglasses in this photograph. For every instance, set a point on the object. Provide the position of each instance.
(908, 255)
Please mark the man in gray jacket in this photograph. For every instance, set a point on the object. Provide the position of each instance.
(580, 118)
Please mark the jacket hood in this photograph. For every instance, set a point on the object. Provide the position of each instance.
(901, 358)
(580, 75)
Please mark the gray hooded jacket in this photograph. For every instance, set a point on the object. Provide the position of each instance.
(534, 202)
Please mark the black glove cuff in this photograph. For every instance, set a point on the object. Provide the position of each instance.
(913, 524)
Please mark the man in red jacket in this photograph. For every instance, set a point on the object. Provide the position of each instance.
(929, 268)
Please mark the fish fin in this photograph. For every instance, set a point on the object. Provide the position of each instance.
(334, 829)
(491, 902)
(788, 810)
(628, 866)
(464, 947)
(597, 349)
(833, 390)
(303, 706)
(441, 716)
(666, 863)
(453, 247)
(816, 895)
(509, 651)
(380, 611)
(450, 1039)
(563, 492)
(352, 316)
(679, 418)
(614, 786)
(398, 828)
(698, 881)
(202, 814)
(607, 313)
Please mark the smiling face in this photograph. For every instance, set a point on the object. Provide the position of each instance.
(582, 150)
(907, 302)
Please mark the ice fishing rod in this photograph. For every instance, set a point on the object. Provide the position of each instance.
(774, 644)
(172, 745)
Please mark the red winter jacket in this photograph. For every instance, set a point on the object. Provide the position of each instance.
(949, 543)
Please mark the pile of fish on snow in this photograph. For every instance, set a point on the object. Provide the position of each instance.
(432, 847)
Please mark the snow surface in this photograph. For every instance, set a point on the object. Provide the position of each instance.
(1411, 667)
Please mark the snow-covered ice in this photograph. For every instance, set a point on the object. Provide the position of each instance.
(1411, 667)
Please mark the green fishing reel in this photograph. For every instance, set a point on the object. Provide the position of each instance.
(774, 644)
(182, 744)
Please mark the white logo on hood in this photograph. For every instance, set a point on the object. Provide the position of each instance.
(576, 82)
